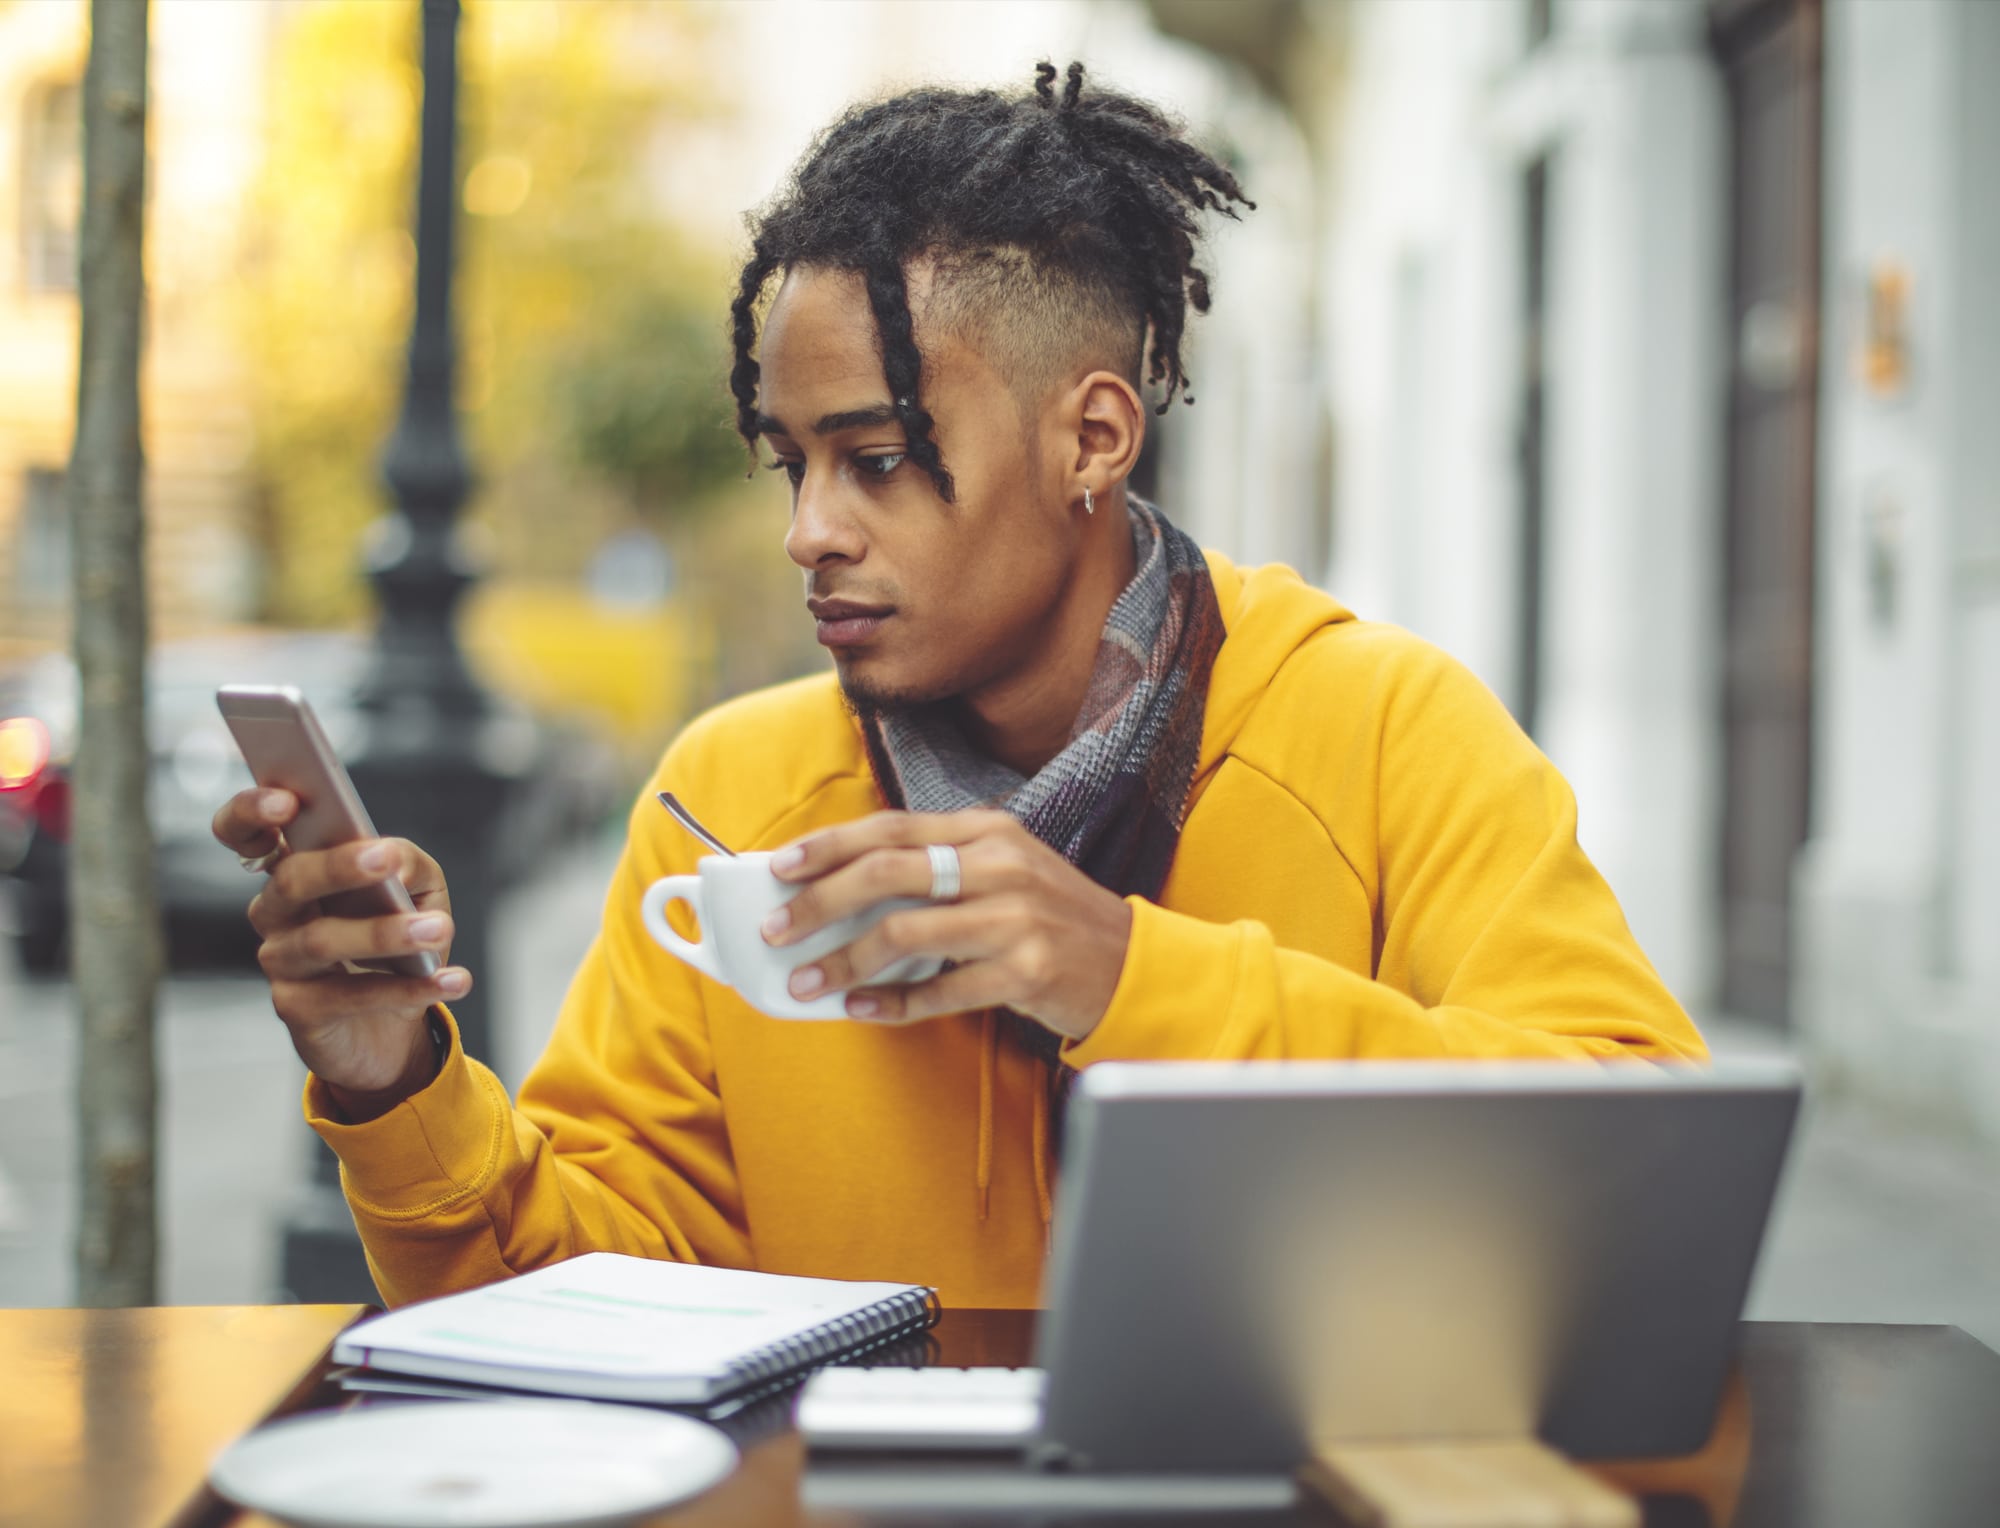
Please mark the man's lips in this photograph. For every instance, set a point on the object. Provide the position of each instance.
(844, 623)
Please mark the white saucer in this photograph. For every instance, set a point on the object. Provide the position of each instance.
(464, 1464)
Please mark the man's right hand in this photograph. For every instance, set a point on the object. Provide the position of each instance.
(362, 1033)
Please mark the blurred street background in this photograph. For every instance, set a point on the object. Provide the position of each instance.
(1645, 354)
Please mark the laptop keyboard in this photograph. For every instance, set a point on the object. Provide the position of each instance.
(933, 1408)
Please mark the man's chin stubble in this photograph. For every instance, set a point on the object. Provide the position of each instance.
(863, 698)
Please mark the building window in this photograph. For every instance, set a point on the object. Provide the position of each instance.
(41, 544)
(1541, 22)
(52, 187)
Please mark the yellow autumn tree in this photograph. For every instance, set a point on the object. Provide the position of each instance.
(592, 350)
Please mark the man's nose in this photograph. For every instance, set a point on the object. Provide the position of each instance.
(822, 527)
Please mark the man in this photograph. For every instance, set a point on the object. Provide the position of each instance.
(1163, 807)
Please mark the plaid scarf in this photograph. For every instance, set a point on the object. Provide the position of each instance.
(1113, 801)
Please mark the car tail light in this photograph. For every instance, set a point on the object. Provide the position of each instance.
(51, 807)
(26, 778)
(24, 752)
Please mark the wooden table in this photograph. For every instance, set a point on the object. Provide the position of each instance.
(109, 1418)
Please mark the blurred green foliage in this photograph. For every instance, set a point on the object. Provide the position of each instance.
(593, 353)
(649, 427)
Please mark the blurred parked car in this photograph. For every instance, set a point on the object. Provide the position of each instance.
(566, 781)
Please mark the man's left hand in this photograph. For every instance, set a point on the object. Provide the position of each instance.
(1028, 931)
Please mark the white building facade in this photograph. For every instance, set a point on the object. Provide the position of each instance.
(1525, 264)
(1607, 287)
(1900, 888)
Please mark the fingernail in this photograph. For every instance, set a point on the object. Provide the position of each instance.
(272, 804)
(788, 859)
(453, 982)
(863, 1007)
(777, 923)
(807, 980)
(427, 928)
(375, 858)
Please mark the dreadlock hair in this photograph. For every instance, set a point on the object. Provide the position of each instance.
(1050, 224)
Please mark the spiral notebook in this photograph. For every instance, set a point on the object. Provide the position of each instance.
(616, 1328)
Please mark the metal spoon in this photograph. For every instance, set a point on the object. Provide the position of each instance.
(687, 820)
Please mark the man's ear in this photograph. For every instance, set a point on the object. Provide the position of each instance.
(1109, 422)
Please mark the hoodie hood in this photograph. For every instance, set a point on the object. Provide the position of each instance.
(1268, 613)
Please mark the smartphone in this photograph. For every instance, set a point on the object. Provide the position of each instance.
(286, 749)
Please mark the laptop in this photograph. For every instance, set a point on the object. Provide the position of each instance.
(1252, 1256)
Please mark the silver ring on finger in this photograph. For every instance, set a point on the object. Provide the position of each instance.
(946, 879)
(261, 864)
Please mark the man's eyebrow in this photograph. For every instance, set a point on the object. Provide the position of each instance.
(832, 424)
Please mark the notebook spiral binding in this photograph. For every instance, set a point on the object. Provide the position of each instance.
(908, 1310)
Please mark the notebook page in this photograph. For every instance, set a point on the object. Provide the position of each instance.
(605, 1313)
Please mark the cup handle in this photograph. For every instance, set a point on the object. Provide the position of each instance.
(653, 909)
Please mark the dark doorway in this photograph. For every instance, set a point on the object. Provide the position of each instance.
(1769, 52)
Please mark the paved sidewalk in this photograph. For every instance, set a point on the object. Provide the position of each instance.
(1877, 1220)
(233, 1144)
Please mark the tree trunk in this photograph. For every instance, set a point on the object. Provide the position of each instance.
(114, 908)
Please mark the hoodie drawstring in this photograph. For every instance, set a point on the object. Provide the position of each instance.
(983, 1171)
(1044, 1200)
(982, 1174)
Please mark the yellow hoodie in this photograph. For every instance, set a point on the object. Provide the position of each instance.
(1376, 862)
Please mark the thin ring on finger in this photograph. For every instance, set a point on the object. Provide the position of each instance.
(260, 864)
(947, 878)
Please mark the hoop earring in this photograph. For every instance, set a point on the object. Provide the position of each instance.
(1088, 507)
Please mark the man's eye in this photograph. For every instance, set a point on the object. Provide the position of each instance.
(794, 471)
(881, 466)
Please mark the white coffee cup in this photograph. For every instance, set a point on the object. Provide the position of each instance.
(731, 896)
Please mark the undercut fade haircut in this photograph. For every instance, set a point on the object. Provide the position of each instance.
(1056, 227)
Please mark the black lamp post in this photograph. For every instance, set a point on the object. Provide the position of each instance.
(426, 766)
